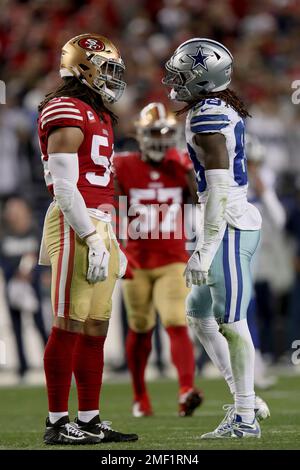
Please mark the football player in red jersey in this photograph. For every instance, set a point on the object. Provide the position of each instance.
(156, 181)
(76, 139)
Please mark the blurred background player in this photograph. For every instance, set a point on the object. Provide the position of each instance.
(157, 181)
(19, 247)
(199, 74)
(268, 256)
(76, 139)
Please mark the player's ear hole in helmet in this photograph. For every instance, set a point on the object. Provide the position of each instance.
(157, 130)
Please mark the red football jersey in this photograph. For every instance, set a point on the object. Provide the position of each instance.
(155, 197)
(95, 153)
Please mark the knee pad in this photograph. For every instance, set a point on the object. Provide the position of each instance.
(205, 326)
(191, 304)
(140, 324)
(198, 302)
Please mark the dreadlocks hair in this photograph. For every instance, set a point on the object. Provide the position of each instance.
(71, 87)
(230, 98)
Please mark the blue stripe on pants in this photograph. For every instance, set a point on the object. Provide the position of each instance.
(237, 239)
(226, 275)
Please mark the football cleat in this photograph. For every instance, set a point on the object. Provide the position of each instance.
(232, 427)
(63, 432)
(224, 430)
(189, 401)
(262, 412)
(103, 431)
(142, 407)
(261, 409)
(245, 430)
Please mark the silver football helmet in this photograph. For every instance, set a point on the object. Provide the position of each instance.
(198, 66)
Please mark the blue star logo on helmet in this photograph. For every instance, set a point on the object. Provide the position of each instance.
(199, 59)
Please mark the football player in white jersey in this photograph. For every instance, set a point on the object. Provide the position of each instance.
(199, 73)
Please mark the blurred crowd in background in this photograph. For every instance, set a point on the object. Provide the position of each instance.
(263, 36)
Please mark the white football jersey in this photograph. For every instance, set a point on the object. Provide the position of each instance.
(213, 115)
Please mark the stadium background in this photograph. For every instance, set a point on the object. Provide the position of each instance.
(263, 36)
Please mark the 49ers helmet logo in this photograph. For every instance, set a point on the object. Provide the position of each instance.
(91, 44)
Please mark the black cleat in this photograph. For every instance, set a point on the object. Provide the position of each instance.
(63, 432)
(103, 431)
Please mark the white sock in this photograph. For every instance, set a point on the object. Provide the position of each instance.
(86, 416)
(214, 343)
(242, 358)
(260, 368)
(56, 416)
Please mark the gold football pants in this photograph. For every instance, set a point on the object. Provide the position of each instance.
(71, 294)
(160, 290)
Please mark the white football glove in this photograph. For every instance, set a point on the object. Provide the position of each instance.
(195, 272)
(98, 259)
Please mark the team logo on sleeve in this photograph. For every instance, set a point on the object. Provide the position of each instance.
(92, 44)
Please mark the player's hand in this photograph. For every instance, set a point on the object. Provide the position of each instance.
(195, 273)
(98, 259)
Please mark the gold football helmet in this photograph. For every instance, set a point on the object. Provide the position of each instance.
(97, 63)
(157, 130)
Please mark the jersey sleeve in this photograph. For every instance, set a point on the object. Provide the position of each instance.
(210, 117)
(62, 112)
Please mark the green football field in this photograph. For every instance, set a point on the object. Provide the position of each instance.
(23, 411)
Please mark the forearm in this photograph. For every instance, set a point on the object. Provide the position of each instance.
(214, 214)
(64, 171)
(75, 212)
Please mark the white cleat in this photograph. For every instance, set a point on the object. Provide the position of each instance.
(137, 412)
(224, 430)
(245, 430)
(232, 427)
(141, 409)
